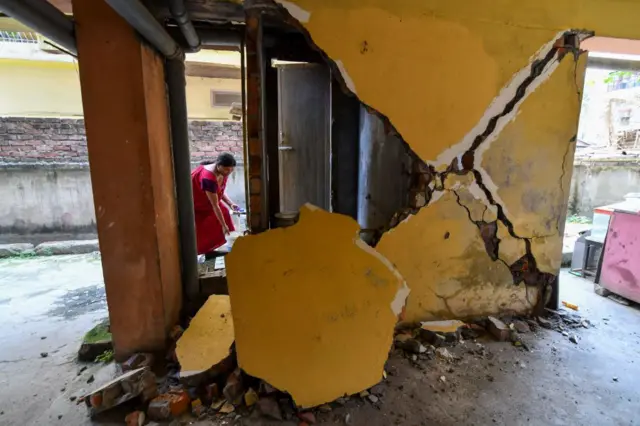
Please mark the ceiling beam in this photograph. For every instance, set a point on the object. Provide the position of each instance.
(209, 70)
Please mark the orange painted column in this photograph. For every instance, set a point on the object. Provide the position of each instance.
(128, 140)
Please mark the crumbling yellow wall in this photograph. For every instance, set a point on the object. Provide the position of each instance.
(439, 71)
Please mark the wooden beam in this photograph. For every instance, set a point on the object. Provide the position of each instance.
(258, 208)
(63, 5)
(209, 70)
(128, 139)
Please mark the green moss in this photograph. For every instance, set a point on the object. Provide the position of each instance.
(99, 333)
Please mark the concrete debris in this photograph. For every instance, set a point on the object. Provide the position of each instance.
(44, 354)
(217, 405)
(307, 417)
(378, 389)
(521, 326)
(545, 323)
(444, 354)
(269, 408)
(159, 410)
(443, 327)
(176, 402)
(374, 399)
(212, 392)
(431, 337)
(136, 418)
(341, 401)
(325, 408)
(197, 408)
(137, 361)
(498, 329)
(573, 339)
(615, 379)
(266, 389)
(364, 394)
(208, 339)
(250, 398)
(443, 379)
(409, 344)
(234, 388)
(227, 408)
(136, 383)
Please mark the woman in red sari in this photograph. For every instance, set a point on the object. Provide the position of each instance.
(213, 221)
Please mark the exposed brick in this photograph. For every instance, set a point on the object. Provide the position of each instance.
(53, 139)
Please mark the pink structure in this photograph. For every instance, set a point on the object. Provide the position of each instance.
(621, 261)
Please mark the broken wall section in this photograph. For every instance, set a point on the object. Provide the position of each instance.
(427, 104)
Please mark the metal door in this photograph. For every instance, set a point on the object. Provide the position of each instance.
(304, 143)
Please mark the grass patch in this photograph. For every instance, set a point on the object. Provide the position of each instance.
(578, 219)
(99, 333)
(106, 357)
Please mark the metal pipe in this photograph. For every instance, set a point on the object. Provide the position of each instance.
(220, 38)
(245, 142)
(44, 18)
(176, 87)
(181, 16)
(143, 22)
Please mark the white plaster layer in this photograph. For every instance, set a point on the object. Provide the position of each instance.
(347, 79)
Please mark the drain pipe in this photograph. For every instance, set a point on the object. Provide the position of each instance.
(176, 86)
(143, 21)
(181, 16)
(44, 18)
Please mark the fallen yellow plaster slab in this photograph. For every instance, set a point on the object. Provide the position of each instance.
(208, 338)
(314, 307)
(449, 326)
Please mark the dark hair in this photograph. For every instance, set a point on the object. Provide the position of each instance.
(226, 160)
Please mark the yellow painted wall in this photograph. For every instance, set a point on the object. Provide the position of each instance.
(439, 71)
(39, 88)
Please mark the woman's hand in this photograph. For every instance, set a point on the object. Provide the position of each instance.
(225, 229)
(235, 207)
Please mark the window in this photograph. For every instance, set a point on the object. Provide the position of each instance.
(225, 99)
(18, 37)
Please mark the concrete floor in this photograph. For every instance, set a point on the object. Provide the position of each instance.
(557, 383)
(46, 306)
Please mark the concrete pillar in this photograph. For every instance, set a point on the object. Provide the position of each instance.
(128, 139)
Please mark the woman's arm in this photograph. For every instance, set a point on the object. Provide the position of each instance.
(230, 203)
(213, 199)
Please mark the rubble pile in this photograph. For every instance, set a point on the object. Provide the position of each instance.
(428, 340)
(225, 392)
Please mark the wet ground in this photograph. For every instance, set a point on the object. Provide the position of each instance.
(593, 382)
(46, 306)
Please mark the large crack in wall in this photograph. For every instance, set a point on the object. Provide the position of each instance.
(427, 183)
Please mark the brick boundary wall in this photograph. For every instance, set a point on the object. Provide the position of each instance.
(63, 140)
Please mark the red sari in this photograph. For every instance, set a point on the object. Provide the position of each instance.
(209, 233)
